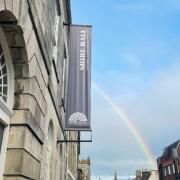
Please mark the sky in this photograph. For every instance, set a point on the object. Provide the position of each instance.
(136, 62)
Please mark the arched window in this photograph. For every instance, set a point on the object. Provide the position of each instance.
(6, 80)
(3, 77)
(6, 95)
(6, 75)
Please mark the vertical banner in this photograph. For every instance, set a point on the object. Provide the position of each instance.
(79, 79)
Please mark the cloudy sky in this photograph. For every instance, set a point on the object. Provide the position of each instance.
(136, 61)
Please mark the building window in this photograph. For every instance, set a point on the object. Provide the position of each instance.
(56, 36)
(6, 94)
(64, 77)
(169, 170)
(177, 165)
(3, 77)
(173, 168)
(165, 171)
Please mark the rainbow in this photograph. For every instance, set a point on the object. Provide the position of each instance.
(129, 124)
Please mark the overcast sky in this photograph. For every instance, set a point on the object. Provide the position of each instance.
(136, 60)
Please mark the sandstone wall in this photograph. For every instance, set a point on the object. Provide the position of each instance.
(37, 41)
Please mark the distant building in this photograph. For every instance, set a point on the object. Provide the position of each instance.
(147, 175)
(115, 176)
(84, 169)
(169, 162)
(138, 175)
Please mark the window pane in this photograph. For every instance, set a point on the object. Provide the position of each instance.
(5, 98)
(173, 169)
(164, 171)
(5, 90)
(169, 170)
(1, 134)
(4, 71)
(5, 79)
(2, 61)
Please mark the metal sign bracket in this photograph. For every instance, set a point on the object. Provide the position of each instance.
(76, 140)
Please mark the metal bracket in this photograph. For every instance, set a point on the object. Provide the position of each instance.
(79, 130)
(73, 141)
(76, 141)
(66, 24)
(63, 105)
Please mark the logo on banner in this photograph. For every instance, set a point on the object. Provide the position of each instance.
(78, 118)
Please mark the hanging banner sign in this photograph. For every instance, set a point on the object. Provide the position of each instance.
(79, 79)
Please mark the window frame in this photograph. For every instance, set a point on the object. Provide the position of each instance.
(6, 108)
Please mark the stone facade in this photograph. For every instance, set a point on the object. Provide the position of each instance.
(84, 169)
(169, 162)
(147, 175)
(34, 41)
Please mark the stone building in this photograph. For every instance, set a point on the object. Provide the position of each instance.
(84, 169)
(169, 162)
(115, 176)
(33, 81)
(147, 175)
